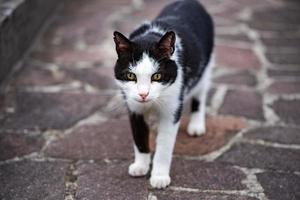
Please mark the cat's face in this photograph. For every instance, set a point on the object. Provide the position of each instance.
(144, 69)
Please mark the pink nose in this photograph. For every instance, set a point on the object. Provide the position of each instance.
(143, 95)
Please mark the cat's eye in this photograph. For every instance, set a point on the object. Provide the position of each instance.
(156, 77)
(130, 76)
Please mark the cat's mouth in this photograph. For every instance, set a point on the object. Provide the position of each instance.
(142, 100)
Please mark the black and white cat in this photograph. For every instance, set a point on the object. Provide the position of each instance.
(160, 66)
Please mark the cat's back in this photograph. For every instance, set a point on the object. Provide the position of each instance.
(188, 11)
(194, 26)
(186, 15)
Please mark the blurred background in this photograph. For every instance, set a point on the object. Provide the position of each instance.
(64, 132)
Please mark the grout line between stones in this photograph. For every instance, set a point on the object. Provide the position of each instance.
(234, 87)
(70, 179)
(228, 192)
(270, 144)
(251, 182)
(263, 80)
(151, 196)
(53, 135)
(215, 154)
(34, 156)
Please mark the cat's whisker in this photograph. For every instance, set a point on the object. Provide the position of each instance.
(162, 105)
(116, 109)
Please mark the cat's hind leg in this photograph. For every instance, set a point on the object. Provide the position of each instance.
(196, 125)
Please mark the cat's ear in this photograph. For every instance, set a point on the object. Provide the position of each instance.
(123, 45)
(166, 44)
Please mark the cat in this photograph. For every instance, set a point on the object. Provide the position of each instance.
(160, 66)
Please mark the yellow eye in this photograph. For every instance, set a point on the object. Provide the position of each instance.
(131, 76)
(156, 77)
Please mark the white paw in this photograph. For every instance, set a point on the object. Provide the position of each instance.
(160, 181)
(196, 129)
(138, 169)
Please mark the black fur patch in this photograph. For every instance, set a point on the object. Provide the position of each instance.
(140, 131)
(195, 105)
(168, 70)
(141, 30)
(178, 112)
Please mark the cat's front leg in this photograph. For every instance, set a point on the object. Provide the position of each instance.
(142, 156)
(165, 141)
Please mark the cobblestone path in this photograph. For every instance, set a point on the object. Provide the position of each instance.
(64, 133)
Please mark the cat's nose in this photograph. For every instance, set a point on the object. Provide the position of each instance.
(143, 95)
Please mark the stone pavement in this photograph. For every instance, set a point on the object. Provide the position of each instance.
(64, 132)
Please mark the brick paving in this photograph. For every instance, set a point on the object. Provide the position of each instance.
(64, 132)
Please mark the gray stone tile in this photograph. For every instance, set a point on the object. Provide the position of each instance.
(257, 156)
(32, 180)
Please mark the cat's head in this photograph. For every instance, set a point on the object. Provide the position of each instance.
(145, 68)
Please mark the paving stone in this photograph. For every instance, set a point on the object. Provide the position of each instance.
(265, 25)
(278, 134)
(280, 42)
(81, 23)
(243, 58)
(284, 87)
(288, 110)
(243, 103)
(147, 12)
(279, 58)
(99, 77)
(32, 180)
(253, 4)
(240, 37)
(219, 131)
(2, 104)
(16, 145)
(280, 186)
(206, 176)
(178, 195)
(239, 78)
(285, 51)
(32, 74)
(281, 73)
(221, 22)
(282, 14)
(22, 22)
(111, 139)
(44, 111)
(292, 4)
(211, 3)
(229, 11)
(109, 181)
(79, 8)
(283, 17)
(257, 156)
(70, 56)
(73, 32)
